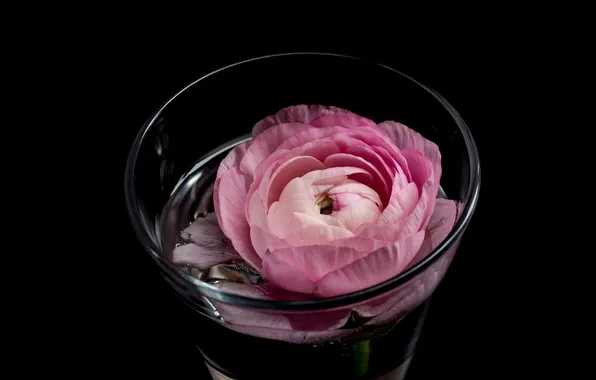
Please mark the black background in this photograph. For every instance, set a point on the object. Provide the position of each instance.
(472, 313)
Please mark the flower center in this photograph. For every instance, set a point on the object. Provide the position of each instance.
(325, 204)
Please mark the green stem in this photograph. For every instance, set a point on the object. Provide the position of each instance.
(361, 357)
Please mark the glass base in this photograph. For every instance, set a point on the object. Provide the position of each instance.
(383, 356)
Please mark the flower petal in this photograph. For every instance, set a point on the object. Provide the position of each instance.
(386, 232)
(262, 240)
(439, 226)
(291, 336)
(259, 186)
(420, 167)
(302, 114)
(322, 177)
(344, 141)
(316, 149)
(283, 222)
(350, 186)
(401, 204)
(394, 165)
(315, 115)
(424, 177)
(311, 134)
(266, 143)
(416, 220)
(208, 247)
(357, 213)
(232, 220)
(343, 200)
(416, 290)
(317, 233)
(371, 270)
(376, 137)
(297, 196)
(343, 159)
(256, 214)
(201, 256)
(406, 138)
(343, 119)
(323, 180)
(285, 276)
(233, 158)
(249, 317)
(371, 156)
(294, 114)
(293, 168)
(315, 261)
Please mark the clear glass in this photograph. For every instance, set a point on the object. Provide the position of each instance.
(168, 182)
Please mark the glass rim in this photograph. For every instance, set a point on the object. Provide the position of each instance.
(215, 293)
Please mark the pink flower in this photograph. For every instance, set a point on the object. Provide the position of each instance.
(322, 201)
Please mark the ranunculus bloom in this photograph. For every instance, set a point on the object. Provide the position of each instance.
(322, 201)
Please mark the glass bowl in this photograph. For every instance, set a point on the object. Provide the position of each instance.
(169, 182)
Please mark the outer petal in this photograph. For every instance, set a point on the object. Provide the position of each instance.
(203, 257)
(232, 159)
(371, 270)
(364, 245)
(208, 245)
(406, 138)
(266, 143)
(439, 226)
(294, 114)
(424, 177)
(416, 291)
(417, 220)
(304, 114)
(312, 134)
(420, 168)
(344, 119)
(232, 196)
(386, 232)
(262, 240)
(285, 276)
(255, 319)
(256, 214)
(315, 261)
(255, 211)
(292, 336)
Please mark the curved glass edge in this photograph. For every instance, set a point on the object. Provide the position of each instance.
(215, 293)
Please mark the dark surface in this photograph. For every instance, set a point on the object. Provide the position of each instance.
(463, 336)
